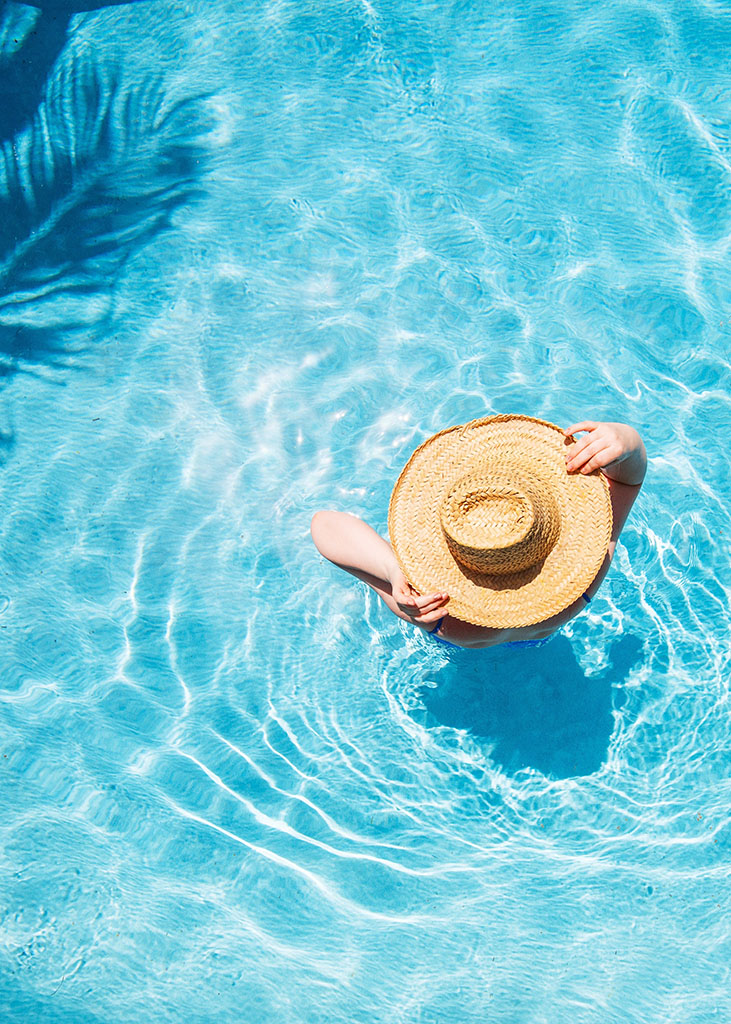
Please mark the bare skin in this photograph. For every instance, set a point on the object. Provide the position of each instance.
(614, 448)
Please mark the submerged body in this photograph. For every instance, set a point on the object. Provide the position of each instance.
(615, 449)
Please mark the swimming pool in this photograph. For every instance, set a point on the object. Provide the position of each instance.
(252, 255)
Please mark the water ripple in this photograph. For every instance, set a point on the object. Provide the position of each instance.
(285, 245)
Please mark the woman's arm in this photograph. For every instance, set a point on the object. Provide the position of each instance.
(617, 449)
(354, 546)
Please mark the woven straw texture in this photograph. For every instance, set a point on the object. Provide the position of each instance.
(504, 477)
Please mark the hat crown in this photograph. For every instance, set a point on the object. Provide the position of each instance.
(498, 521)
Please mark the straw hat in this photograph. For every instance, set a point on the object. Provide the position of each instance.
(488, 512)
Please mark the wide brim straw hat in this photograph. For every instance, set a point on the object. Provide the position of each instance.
(488, 512)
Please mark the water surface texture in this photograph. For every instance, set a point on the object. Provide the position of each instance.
(252, 254)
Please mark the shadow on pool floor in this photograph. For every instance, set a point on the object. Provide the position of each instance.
(94, 162)
(535, 706)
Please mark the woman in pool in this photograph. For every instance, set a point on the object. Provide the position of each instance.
(501, 529)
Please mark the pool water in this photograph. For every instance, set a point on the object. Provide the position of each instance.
(252, 255)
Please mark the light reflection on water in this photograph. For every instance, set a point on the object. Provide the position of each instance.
(262, 255)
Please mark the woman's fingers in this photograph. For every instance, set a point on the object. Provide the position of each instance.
(433, 616)
(580, 451)
(438, 595)
(587, 457)
(584, 450)
(584, 425)
(433, 603)
(582, 442)
(427, 605)
(603, 458)
(429, 601)
(595, 463)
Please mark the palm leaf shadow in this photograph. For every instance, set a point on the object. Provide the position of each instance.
(32, 36)
(97, 174)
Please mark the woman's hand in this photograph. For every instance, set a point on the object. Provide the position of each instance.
(615, 448)
(420, 610)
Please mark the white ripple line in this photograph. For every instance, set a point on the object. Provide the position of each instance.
(278, 753)
(28, 689)
(285, 727)
(339, 748)
(250, 761)
(173, 656)
(342, 903)
(703, 133)
(136, 571)
(126, 654)
(281, 826)
(344, 833)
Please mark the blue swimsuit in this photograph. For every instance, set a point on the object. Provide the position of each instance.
(511, 643)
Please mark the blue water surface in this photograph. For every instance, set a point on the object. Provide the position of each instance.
(252, 254)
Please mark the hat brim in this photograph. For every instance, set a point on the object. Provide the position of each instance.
(526, 446)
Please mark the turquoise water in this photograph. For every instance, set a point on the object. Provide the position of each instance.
(252, 255)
